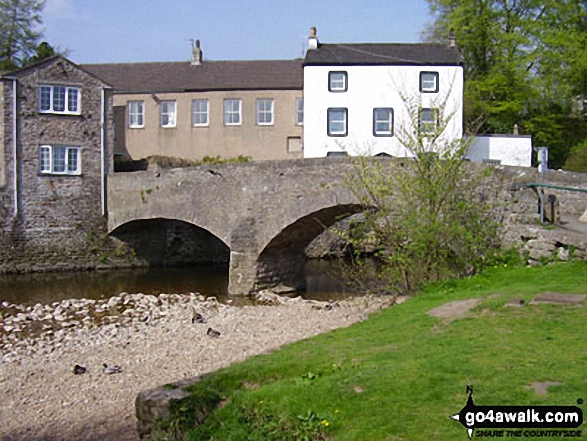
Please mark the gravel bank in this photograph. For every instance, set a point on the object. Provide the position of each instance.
(154, 341)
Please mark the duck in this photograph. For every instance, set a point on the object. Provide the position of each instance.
(79, 370)
(197, 317)
(111, 369)
(213, 333)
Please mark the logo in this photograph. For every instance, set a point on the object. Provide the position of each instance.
(517, 421)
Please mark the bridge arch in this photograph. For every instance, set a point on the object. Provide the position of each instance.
(169, 242)
(282, 260)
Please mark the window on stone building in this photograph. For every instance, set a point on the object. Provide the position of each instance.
(200, 112)
(64, 100)
(265, 112)
(168, 113)
(59, 160)
(337, 122)
(429, 82)
(428, 121)
(136, 114)
(383, 121)
(232, 112)
(337, 81)
(300, 111)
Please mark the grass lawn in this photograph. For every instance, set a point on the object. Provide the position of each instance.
(402, 373)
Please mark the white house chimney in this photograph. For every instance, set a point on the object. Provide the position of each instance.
(312, 39)
(197, 53)
(452, 39)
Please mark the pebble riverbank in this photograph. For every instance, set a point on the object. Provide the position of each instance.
(153, 340)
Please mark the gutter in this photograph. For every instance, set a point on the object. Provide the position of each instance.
(102, 154)
(15, 141)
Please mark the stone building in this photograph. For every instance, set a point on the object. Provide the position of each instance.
(56, 140)
(201, 108)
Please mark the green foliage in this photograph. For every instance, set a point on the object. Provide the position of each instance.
(19, 31)
(525, 63)
(577, 160)
(425, 218)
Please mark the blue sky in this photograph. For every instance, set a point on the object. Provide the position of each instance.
(105, 31)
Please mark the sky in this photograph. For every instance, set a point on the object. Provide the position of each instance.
(124, 31)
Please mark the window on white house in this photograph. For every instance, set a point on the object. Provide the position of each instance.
(168, 114)
(337, 81)
(429, 82)
(200, 112)
(300, 111)
(337, 122)
(265, 112)
(383, 121)
(428, 121)
(136, 114)
(232, 112)
(64, 100)
(59, 160)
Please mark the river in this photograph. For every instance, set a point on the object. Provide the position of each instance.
(322, 281)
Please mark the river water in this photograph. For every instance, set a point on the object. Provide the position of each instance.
(322, 279)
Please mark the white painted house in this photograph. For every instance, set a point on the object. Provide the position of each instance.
(356, 95)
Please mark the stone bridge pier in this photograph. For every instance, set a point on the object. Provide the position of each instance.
(265, 213)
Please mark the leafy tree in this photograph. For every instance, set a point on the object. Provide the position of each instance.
(425, 217)
(525, 61)
(19, 31)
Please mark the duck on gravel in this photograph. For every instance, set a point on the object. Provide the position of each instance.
(108, 370)
(213, 332)
(79, 370)
(197, 317)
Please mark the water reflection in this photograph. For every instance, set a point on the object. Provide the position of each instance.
(322, 283)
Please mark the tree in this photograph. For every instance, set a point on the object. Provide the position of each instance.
(525, 61)
(423, 214)
(19, 31)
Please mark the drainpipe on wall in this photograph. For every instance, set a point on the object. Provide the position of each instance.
(102, 153)
(15, 141)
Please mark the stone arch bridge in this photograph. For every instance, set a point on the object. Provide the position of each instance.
(266, 213)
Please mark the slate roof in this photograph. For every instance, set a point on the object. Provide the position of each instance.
(208, 76)
(384, 54)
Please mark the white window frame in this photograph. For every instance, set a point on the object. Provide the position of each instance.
(230, 112)
(300, 111)
(265, 112)
(377, 120)
(337, 81)
(168, 114)
(429, 82)
(49, 156)
(200, 115)
(49, 99)
(136, 114)
(338, 120)
(429, 125)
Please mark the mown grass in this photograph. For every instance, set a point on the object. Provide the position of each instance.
(400, 374)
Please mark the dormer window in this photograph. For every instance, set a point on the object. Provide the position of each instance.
(337, 81)
(64, 100)
(429, 82)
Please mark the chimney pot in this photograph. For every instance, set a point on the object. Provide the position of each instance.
(197, 54)
(313, 39)
(452, 39)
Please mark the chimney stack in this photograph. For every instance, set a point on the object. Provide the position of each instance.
(197, 53)
(452, 39)
(313, 39)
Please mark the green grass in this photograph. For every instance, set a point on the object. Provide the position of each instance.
(400, 374)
